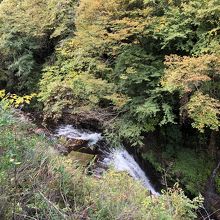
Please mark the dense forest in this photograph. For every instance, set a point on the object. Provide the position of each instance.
(144, 73)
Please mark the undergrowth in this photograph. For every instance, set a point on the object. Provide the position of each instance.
(191, 169)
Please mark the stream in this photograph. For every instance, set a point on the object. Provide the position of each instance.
(119, 158)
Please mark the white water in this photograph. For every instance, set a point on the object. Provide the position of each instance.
(119, 158)
(71, 132)
(123, 161)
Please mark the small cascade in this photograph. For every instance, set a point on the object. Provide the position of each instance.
(78, 134)
(119, 158)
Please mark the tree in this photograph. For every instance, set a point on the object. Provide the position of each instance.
(28, 35)
(193, 76)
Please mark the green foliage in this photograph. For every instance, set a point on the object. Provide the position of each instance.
(193, 169)
(175, 28)
(189, 26)
(190, 75)
(63, 90)
(27, 35)
(204, 111)
(13, 100)
(18, 52)
(190, 168)
(150, 156)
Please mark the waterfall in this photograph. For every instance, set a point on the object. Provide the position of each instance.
(119, 157)
(121, 160)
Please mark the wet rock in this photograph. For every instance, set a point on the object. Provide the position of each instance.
(82, 158)
(61, 149)
(76, 144)
(40, 131)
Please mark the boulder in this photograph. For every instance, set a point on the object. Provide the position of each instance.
(75, 144)
(41, 131)
(82, 158)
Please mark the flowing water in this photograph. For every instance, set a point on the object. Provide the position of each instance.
(74, 133)
(119, 157)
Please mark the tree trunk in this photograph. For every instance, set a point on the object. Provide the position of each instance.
(212, 147)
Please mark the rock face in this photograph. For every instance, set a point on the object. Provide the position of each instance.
(69, 145)
(76, 145)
